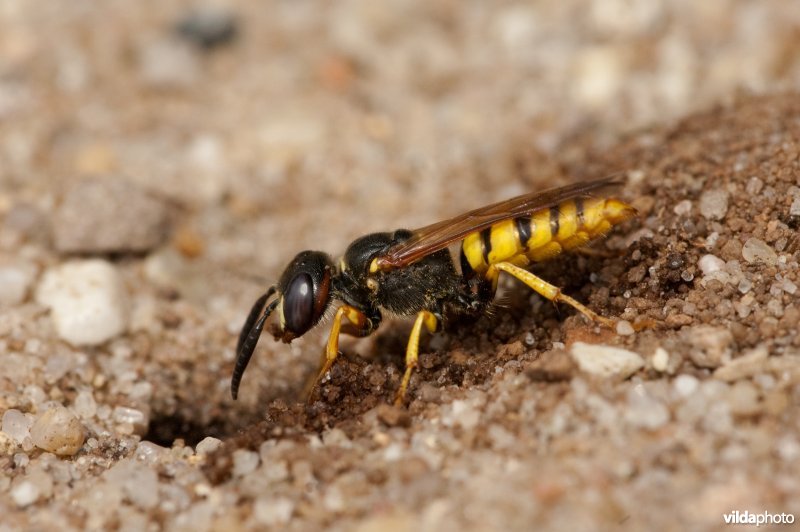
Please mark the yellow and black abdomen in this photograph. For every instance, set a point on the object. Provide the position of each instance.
(543, 234)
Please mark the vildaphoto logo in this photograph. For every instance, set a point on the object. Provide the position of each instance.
(763, 518)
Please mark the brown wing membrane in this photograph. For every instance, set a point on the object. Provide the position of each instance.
(432, 238)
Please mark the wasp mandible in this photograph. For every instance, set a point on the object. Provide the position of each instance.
(412, 273)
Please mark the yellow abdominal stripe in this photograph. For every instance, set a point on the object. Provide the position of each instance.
(568, 226)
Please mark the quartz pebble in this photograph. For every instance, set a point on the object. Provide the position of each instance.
(137, 420)
(624, 328)
(756, 250)
(711, 346)
(138, 482)
(709, 264)
(15, 281)
(244, 462)
(58, 431)
(109, 216)
(87, 301)
(208, 445)
(273, 511)
(660, 360)
(25, 493)
(606, 361)
(685, 385)
(714, 204)
(794, 209)
(683, 208)
(644, 410)
(16, 425)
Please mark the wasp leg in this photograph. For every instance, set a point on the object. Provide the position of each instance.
(553, 293)
(360, 325)
(412, 351)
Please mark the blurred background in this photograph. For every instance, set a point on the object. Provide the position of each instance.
(308, 123)
(197, 146)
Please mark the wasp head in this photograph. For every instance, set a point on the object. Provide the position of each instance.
(302, 296)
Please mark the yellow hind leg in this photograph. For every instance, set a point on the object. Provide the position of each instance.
(412, 351)
(542, 287)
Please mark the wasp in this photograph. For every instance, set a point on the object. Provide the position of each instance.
(412, 273)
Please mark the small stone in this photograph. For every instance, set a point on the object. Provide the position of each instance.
(714, 204)
(133, 417)
(109, 216)
(606, 361)
(644, 410)
(208, 26)
(750, 363)
(742, 399)
(85, 405)
(148, 452)
(794, 210)
(624, 328)
(24, 493)
(709, 264)
(464, 414)
(685, 385)
(208, 445)
(660, 360)
(58, 431)
(16, 425)
(393, 416)
(273, 511)
(789, 287)
(754, 186)
(756, 250)
(138, 482)
(683, 208)
(244, 462)
(15, 282)
(87, 301)
(710, 347)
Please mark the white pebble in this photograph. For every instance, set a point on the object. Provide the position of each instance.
(87, 301)
(244, 462)
(756, 250)
(685, 385)
(16, 425)
(606, 361)
(58, 431)
(754, 186)
(794, 210)
(208, 445)
(85, 405)
(709, 264)
(134, 418)
(660, 360)
(789, 287)
(714, 204)
(624, 328)
(271, 512)
(683, 208)
(644, 410)
(138, 482)
(25, 493)
(15, 281)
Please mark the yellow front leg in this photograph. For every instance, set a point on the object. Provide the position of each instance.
(358, 319)
(412, 351)
(542, 287)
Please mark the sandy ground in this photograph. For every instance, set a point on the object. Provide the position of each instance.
(160, 164)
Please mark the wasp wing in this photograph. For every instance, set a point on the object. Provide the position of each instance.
(435, 237)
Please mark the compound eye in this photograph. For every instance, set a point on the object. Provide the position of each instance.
(298, 304)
